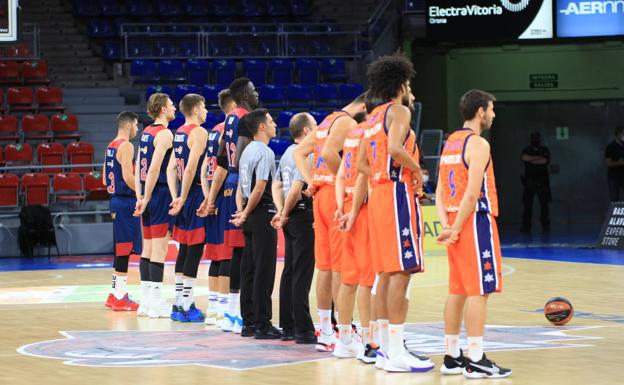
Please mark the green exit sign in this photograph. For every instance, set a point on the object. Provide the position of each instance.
(544, 80)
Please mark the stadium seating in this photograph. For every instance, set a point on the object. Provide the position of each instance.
(224, 71)
(307, 71)
(211, 94)
(144, 71)
(36, 127)
(319, 115)
(18, 154)
(198, 71)
(94, 187)
(9, 73)
(255, 70)
(349, 91)
(283, 119)
(272, 96)
(299, 96)
(20, 99)
(326, 95)
(279, 145)
(8, 128)
(9, 190)
(67, 187)
(154, 89)
(50, 154)
(171, 71)
(281, 72)
(35, 187)
(49, 99)
(64, 126)
(334, 70)
(177, 122)
(183, 89)
(80, 153)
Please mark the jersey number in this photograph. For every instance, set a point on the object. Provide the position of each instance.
(451, 184)
(231, 153)
(373, 145)
(212, 165)
(143, 169)
(111, 186)
(348, 161)
(180, 168)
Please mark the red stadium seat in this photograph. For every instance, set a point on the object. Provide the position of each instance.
(20, 99)
(1, 156)
(36, 127)
(36, 189)
(80, 153)
(94, 186)
(19, 51)
(9, 73)
(67, 187)
(9, 190)
(49, 99)
(18, 154)
(35, 72)
(50, 154)
(8, 128)
(65, 126)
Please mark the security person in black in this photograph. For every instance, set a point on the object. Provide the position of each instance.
(296, 218)
(536, 181)
(255, 211)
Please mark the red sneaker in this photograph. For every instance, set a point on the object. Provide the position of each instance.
(110, 300)
(124, 304)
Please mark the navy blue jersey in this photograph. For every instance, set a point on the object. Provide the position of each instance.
(230, 137)
(182, 151)
(115, 183)
(212, 148)
(146, 154)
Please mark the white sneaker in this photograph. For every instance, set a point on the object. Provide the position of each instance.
(228, 323)
(380, 361)
(406, 362)
(159, 310)
(238, 325)
(326, 343)
(144, 308)
(352, 350)
(212, 312)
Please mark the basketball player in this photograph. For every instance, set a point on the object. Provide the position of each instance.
(234, 142)
(216, 251)
(189, 145)
(120, 184)
(154, 153)
(388, 156)
(327, 236)
(467, 203)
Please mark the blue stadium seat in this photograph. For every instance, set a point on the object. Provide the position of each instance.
(111, 50)
(326, 95)
(144, 71)
(299, 96)
(210, 92)
(177, 122)
(166, 49)
(300, 7)
(349, 91)
(198, 71)
(268, 48)
(224, 70)
(171, 70)
(321, 48)
(272, 96)
(334, 70)
(217, 48)
(283, 119)
(278, 8)
(183, 89)
(279, 145)
(86, 8)
(308, 70)
(100, 28)
(251, 8)
(319, 115)
(296, 48)
(157, 88)
(188, 49)
(211, 121)
(281, 71)
(196, 8)
(139, 50)
(168, 8)
(222, 8)
(139, 8)
(242, 49)
(255, 70)
(111, 8)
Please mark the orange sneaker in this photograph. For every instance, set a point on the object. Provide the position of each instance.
(124, 304)
(110, 300)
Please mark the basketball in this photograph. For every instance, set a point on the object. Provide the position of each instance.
(558, 311)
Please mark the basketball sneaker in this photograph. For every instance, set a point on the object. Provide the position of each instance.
(124, 304)
(484, 368)
(238, 325)
(193, 314)
(109, 300)
(175, 313)
(212, 311)
(368, 354)
(325, 343)
(158, 310)
(380, 360)
(228, 323)
(453, 365)
(342, 350)
(407, 362)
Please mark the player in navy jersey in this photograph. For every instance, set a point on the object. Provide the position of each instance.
(151, 173)
(120, 184)
(189, 145)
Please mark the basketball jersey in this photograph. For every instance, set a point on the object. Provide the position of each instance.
(212, 148)
(383, 168)
(146, 153)
(182, 151)
(321, 174)
(115, 183)
(454, 176)
(230, 136)
(349, 156)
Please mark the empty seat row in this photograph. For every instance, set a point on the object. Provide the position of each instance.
(50, 154)
(29, 72)
(18, 51)
(39, 127)
(24, 99)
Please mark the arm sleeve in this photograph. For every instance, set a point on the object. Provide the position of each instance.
(222, 160)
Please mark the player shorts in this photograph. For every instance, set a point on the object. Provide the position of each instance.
(475, 262)
(232, 235)
(126, 227)
(327, 237)
(215, 249)
(396, 229)
(156, 219)
(189, 228)
(356, 261)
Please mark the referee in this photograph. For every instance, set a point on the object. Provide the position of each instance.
(255, 211)
(295, 216)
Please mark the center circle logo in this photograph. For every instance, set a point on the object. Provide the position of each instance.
(515, 7)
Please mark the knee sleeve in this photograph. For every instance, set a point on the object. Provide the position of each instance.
(182, 251)
(224, 269)
(235, 264)
(215, 267)
(120, 264)
(193, 256)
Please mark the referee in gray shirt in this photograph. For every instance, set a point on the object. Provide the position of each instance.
(296, 218)
(255, 211)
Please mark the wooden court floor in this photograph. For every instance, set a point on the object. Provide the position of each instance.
(35, 306)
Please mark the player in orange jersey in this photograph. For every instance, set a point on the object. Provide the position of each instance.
(468, 205)
(327, 236)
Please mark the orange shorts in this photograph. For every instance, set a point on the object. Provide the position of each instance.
(356, 261)
(475, 264)
(396, 229)
(327, 236)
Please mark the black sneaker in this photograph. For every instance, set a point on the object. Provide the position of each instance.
(484, 369)
(453, 365)
(271, 333)
(288, 335)
(307, 338)
(248, 331)
(370, 354)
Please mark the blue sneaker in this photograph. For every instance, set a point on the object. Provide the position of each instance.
(238, 325)
(192, 315)
(175, 313)
(228, 323)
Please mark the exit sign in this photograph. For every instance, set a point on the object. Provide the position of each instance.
(544, 80)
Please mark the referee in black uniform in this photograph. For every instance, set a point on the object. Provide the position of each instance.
(255, 211)
(296, 218)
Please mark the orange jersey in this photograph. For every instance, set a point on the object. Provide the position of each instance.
(349, 156)
(383, 167)
(454, 176)
(321, 174)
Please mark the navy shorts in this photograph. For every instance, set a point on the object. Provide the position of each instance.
(156, 219)
(126, 227)
(189, 228)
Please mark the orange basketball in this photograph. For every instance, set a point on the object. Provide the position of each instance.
(558, 311)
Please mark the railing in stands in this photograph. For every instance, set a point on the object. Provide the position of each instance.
(27, 48)
(95, 166)
(384, 28)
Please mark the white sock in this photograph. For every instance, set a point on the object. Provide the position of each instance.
(451, 342)
(145, 292)
(156, 289)
(475, 348)
(178, 289)
(234, 304)
(374, 333)
(325, 318)
(120, 286)
(383, 335)
(337, 316)
(366, 335)
(345, 333)
(187, 293)
(113, 283)
(395, 339)
(213, 295)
